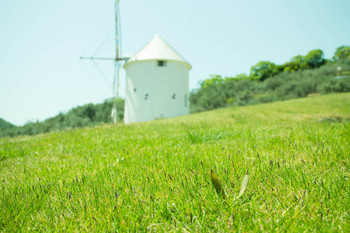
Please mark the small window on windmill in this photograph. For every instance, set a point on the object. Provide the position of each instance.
(161, 63)
(134, 89)
(173, 96)
(146, 96)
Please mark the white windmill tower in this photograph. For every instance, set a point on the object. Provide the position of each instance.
(118, 59)
(156, 83)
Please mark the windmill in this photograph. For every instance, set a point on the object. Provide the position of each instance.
(157, 80)
(118, 59)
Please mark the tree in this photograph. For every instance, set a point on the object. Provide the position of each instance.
(210, 95)
(90, 111)
(214, 80)
(342, 52)
(263, 70)
(315, 58)
(296, 63)
(241, 76)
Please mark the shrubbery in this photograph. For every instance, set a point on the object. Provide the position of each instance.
(313, 75)
(81, 116)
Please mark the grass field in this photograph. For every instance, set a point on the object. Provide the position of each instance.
(155, 176)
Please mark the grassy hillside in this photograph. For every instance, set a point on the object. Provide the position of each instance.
(215, 92)
(155, 176)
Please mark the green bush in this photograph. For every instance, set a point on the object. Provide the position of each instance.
(333, 85)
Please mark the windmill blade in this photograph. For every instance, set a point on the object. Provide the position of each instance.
(117, 65)
(114, 113)
(117, 31)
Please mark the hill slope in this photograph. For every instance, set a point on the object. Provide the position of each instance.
(156, 175)
(4, 124)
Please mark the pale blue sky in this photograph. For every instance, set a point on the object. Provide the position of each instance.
(41, 42)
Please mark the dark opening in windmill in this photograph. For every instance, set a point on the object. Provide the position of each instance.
(161, 63)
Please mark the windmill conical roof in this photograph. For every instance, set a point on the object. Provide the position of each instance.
(157, 49)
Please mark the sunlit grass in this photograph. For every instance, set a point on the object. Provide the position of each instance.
(155, 176)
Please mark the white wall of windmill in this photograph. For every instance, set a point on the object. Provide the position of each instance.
(156, 89)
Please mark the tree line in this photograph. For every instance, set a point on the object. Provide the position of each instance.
(81, 116)
(267, 82)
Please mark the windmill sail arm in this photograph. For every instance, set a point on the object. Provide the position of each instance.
(117, 62)
(104, 58)
(117, 31)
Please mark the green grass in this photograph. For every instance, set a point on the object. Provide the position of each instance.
(155, 176)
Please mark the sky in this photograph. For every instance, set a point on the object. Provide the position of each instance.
(41, 42)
